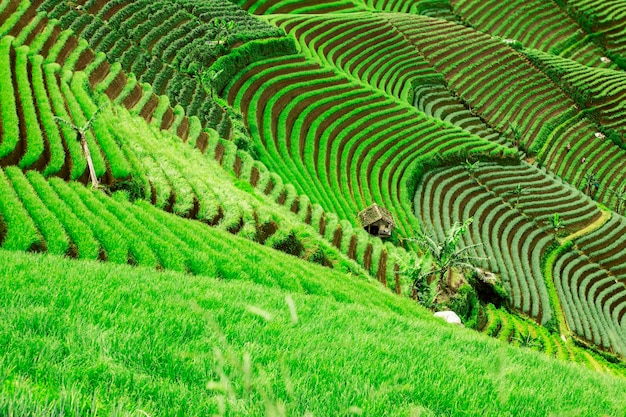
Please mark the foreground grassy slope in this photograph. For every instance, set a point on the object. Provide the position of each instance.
(77, 336)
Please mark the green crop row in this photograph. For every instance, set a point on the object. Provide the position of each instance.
(378, 56)
(535, 24)
(598, 89)
(603, 21)
(293, 6)
(123, 47)
(203, 188)
(439, 8)
(524, 333)
(19, 9)
(430, 98)
(605, 242)
(42, 94)
(8, 108)
(533, 116)
(601, 157)
(585, 289)
(34, 138)
(336, 138)
(490, 59)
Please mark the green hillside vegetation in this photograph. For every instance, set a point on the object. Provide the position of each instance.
(289, 338)
(180, 188)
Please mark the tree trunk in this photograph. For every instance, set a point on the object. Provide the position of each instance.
(92, 169)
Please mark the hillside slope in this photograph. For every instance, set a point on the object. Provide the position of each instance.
(180, 185)
(286, 338)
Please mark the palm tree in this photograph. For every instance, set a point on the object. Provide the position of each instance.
(81, 135)
(443, 256)
(620, 196)
(518, 191)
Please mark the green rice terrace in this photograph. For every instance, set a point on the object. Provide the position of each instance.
(257, 207)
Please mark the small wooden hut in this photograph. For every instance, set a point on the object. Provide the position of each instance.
(377, 220)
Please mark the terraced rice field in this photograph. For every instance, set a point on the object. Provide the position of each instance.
(535, 24)
(43, 92)
(605, 18)
(440, 111)
(474, 73)
(513, 229)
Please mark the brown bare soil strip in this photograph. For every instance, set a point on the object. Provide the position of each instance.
(324, 32)
(261, 9)
(352, 247)
(219, 155)
(367, 257)
(86, 57)
(265, 231)
(24, 20)
(281, 198)
(254, 176)
(309, 214)
(36, 31)
(289, 23)
(295, 206)
(133, 98)
(337, 235)
(288, 8)
(9, 10)
(322, 225)
(148, 109)
(68, 48)
(100, 73)
(95, 9)
(116, 87)
(324, 126)
(251, 73)
(285, 99)
(168, 119)
(237, 166)
(355, 47)
(52, 39)
(202, 143)
(183, 129)
(381, 274)
(268, 93)
(317, 112)
(376, 158)
(340, 46)
(111, 12)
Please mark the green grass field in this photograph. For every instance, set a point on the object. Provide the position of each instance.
(86, 338)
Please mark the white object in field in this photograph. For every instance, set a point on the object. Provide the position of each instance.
(449, 316)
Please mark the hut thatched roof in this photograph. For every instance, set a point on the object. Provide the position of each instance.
(374, 213)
